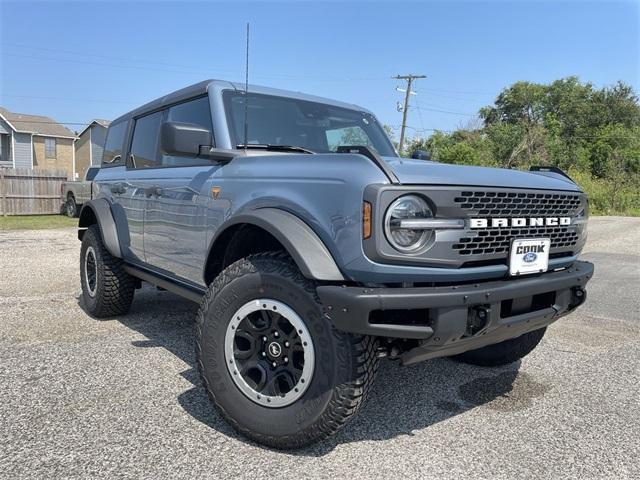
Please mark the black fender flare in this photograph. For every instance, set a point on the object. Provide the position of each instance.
(308, 251)
(100, 210)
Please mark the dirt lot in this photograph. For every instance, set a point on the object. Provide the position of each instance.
(120, 398)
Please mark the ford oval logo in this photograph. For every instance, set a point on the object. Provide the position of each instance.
(530, 257)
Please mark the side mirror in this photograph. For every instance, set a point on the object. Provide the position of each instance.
(421, 155)
(186, 139)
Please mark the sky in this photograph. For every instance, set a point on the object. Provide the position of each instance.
(75, 61)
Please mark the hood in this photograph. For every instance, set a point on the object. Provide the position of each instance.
(422, 172)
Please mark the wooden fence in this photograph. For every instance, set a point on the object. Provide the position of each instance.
(26, 191)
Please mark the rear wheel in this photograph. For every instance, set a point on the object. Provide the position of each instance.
(107, 290)
(270, 359)
(505, 352)
(70, 207)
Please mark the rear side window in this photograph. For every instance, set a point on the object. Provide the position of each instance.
(197, 112)
(112, 155)
(144, 146)
(91, 174)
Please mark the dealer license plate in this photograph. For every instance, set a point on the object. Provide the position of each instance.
(529, 255)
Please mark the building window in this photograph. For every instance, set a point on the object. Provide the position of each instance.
(5, 148)
(49, 148)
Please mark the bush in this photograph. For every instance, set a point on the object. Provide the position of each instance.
(608, 198)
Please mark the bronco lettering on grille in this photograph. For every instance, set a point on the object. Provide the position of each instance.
(519, 222)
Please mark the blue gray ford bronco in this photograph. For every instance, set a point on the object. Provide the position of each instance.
(314, 250)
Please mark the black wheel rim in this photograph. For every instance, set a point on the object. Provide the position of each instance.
(91, 271)
(269, 353)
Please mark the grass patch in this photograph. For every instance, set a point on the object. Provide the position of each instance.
(36, 222)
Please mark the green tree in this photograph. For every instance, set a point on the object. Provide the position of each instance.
(594, 133)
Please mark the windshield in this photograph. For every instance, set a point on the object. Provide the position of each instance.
(318, 127)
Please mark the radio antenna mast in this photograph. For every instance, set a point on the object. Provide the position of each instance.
(246, 94)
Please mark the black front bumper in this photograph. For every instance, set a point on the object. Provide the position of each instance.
(450, 325)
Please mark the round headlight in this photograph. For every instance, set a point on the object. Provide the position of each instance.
(409, 207)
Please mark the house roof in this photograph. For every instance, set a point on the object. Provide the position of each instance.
(35, 124)
(95, 121)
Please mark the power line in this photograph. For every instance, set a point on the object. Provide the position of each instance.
(108, 57)
(35, 97)
(418, 107)
(468, 99)
(183, 69)
(459, 92)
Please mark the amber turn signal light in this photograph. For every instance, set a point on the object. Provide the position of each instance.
(366, 220)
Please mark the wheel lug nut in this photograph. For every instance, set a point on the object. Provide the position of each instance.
(274, 364)
(276, 334)
(286, 344)
(264, 339)
(286, 359)
(264, 354)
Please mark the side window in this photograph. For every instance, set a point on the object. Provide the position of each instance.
(144, 146)
(91, 174)
(112, 154)
(194, 111)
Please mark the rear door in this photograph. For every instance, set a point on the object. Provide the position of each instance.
(113, 183)
(138, 195)
(175, 226)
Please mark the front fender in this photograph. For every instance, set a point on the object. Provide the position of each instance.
(307, 250)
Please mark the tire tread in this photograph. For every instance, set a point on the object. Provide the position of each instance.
(116, 295)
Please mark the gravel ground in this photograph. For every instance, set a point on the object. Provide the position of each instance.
(120, 398)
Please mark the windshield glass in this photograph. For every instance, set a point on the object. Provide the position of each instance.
(314, 126)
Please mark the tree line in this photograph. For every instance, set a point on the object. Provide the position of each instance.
(591, 133)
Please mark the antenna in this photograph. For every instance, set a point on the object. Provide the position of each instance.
(246, 94)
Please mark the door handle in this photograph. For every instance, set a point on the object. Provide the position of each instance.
(154, 191)
(118, 189)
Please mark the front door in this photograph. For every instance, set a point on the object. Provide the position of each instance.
(174, 221)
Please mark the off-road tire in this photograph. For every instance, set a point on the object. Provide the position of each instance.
(503, 353)
(71, 207)
(114, 287)
(345, 364)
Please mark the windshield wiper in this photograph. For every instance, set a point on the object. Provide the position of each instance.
(275, 148)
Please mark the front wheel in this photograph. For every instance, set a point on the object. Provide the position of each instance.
(270, 359)
(503, 353)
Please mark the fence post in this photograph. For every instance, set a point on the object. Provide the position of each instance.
(4, 192)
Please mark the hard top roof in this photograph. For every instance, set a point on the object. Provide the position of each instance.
(201, 88)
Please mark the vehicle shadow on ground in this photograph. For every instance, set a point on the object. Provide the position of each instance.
(404, 400)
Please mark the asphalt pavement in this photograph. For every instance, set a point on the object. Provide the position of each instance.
(83, 398)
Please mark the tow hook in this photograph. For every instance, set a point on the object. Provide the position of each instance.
(477, 319)
(578, 296)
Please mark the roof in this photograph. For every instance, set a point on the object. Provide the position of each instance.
(174, 97)
(100, 121)
(203, 87)
(35, 124)
(95, 121)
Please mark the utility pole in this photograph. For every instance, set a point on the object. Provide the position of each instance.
(409, 78)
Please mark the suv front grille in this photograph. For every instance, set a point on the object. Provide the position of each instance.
(499, 241)
(515, 204)
(496, 242)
